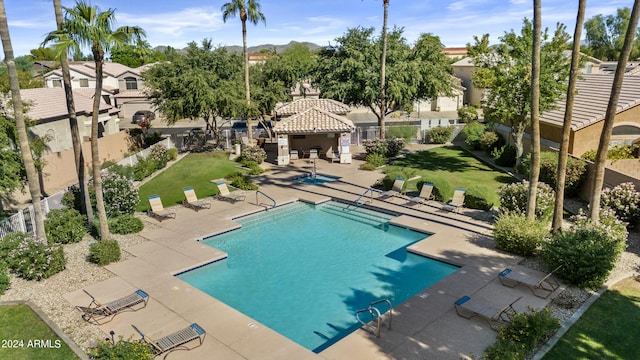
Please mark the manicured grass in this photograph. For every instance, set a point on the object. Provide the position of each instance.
(608, 330)
(23, 335)
(451, 167)
(194, 170)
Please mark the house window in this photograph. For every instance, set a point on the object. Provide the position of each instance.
(56, 82)
(131, 83)
(84, 82)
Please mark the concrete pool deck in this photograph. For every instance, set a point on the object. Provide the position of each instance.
(425, 326)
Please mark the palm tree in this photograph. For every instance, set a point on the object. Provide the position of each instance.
(605, 136)
(568, 115)
(85, 202)
(87, 25)
(535, 111)
(246, 10)
(383, 66)
(23, 139)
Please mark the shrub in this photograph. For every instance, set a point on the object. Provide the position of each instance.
(473, 131)
(120, 195)
(618, 152)
(122, 170)
(7, 244)
(71, 198)
(376, 159)
(253, 153)
(106, 350)
(143, 168)
(394, 146)
(33, 259)
(125, 224)
(514, 197)
(514, 233)
(104, 252)
(487, 140)
(5, 281)
(367, 167)
(436, 192)
(589, 155)
(159, 156)
(241, 181)
(624, 201)
(172, 154)
(153, 138)
(587, 251)
(475, 198)
(440, 134)
(525, 332)
(402, 173)
(575, 175)
(65, 226)
(407, 132)
(505, 155)
(375, 146)
(468, 114)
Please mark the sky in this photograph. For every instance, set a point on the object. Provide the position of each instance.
(176, 23)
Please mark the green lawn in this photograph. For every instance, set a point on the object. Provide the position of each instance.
(23, 335)
(194, 170)
(608, 330)
(451, 167)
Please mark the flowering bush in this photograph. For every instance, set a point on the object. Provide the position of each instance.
(5, 281)
(120, 195)
(254, 154)
(33, 259)
(587, 251)
(386, 148)
(624, 201)
(514, 197)
(473, 131)
(159, 156)
(512, 232)
(575, 175)
(65, 226)
(394, 146)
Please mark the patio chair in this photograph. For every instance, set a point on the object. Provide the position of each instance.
(96, 312)
(468, 308)
(225, 194)
(157, 210)
(191, 200)
(396, 189)
(540, 287)
(176, 341)
(293, 155)
(457, 202)
(313, 154)
(335, 156)
(426, 193)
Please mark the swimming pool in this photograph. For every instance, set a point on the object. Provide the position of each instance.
(316, 180)
(304, 270)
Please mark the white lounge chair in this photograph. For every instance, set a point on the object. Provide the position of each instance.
(396, 189)
(426, 193)
(157, 209)
(95, 312)
(225, 194)
(540, 287)
(176, 341)
(457, 202)
(191, 200)
(468, 308)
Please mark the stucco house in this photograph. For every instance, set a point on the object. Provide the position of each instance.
(122, 86)
(319, 124)
(589, 109)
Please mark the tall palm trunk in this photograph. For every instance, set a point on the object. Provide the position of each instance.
(535, 111)
(23, 139)
(247, 88)
(605, 136)
(568, 116)
(383, 70)
(85, 201)
(98, 56)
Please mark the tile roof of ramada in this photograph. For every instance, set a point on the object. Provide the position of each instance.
(50, 103)
(592, 98)
(313, 120)
(300, 105)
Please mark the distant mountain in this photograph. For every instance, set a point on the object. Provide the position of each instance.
(254, 49)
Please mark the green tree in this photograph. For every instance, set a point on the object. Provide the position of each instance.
(535, 111)
(12, 170)
(43, 53)
(134, 55)
(23, 139)
(25, 79)
(505, 72)
(87, 25)
(605, 136)
(245, 10)
(78, 154)
(291, 66)
(201, 83)
(563, 155)
(348, 72)
(605, 35)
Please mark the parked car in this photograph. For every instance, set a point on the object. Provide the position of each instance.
(142, 115)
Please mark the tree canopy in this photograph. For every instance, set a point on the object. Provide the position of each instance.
(136, 55)
(605, 35)
(350, 71)
(504, 71)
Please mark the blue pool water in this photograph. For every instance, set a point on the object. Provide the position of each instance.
(304, 270)
(317, 180)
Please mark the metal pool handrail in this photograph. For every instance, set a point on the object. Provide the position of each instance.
(265, 195)
(358, 203)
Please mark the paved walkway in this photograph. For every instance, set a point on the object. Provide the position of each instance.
(425, 326)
